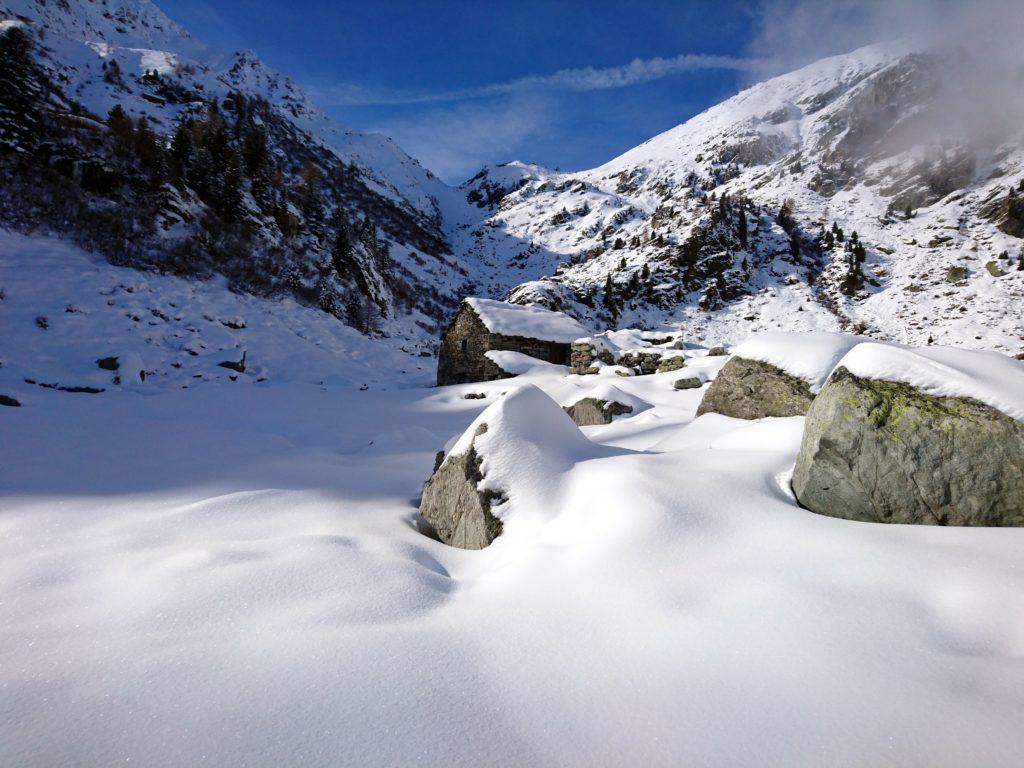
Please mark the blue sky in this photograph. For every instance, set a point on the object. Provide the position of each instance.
(459, 84)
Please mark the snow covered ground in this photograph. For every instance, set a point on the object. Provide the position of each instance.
(232, 573)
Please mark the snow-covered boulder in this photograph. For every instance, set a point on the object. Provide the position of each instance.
(498, 465)
(775, 374)
(602, 404)
(931, 436)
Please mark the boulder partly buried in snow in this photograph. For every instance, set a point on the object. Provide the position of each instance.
(501, 463)
(930, 436)
(454, 504)
(775, 374)
(750, 389)
(601, 404)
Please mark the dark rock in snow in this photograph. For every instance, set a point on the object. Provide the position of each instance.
(591, 411)
(9, 401)
(687, 382)
(884, 452)
(748, 389)
(239, 366)
(452, 504)
(717, 352)
(108, 363)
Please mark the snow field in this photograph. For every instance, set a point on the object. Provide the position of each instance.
(235, 575)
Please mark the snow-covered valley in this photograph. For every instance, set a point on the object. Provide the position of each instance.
(711, 377)
(235, 576)
(235, 572)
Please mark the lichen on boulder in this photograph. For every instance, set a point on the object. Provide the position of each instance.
(750, 389)
(882, 451)
(673, 363)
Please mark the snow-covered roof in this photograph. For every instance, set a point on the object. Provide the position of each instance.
(530, 322)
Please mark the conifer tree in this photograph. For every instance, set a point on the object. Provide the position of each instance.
(20, 92)
(121, 127)
(181, 151)
(232, 190)
(742, 227)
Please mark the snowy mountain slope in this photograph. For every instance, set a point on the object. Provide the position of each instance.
(341, 220)
(176, 331)
(856, 140)
(141, 37)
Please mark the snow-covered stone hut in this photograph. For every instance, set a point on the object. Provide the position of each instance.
(484, 325)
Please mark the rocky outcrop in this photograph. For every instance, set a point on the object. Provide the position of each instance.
(459, 512)
(884, 452)
(591, 411)
(749, 389)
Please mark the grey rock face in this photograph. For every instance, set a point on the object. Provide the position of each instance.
(590, 411)
(687, 382)
(452, 504)
(885, 452)
(748, 389)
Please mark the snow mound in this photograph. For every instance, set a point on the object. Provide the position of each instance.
(528, 445)
(809, 356)
(530, 322)
(989, 377)
(519, 364)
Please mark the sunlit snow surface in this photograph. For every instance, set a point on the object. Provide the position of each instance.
(231, 574)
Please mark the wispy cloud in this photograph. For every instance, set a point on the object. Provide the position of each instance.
(456, 140)
(574, 80)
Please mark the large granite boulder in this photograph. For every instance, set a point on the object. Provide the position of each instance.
(749, 389)
(885, 452)
(454, 505)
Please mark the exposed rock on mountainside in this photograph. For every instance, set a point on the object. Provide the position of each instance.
(750, 389)
(885, 452)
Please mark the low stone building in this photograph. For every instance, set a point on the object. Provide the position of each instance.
(484, 325)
